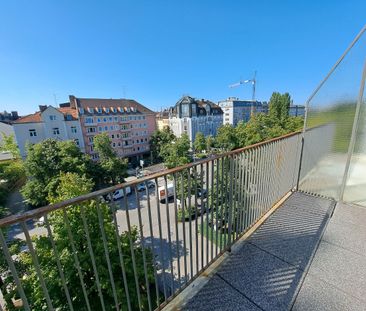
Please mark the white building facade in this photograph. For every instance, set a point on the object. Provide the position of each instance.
(191, 116)
(236, 110)
(58, 123)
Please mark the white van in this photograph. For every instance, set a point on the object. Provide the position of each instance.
(162, 194)
(119, 194)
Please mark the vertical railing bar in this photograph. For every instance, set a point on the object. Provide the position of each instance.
(234, 203)
(252, 181)
(184, 227)
(266, 183)
(161, 235)
(201, 216)
(210, 204)
(131, 248)
(176, 226)
(59, 267)
(106, 252)
(152, 241)
(217, 203)
(169, 234)
(240, 193)
(257, 175)
(196, 215)
(205, 189)
(14, 272)
(77, 262)
(260, 181)
(237, 196)
(231, 163)
(120, 254)
(190, 223)
(225, 184)
(36, 265)
(245, 196)
(273, 173)
(143, 247)
(91, 253)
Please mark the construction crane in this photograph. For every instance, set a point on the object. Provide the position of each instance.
(253, 82)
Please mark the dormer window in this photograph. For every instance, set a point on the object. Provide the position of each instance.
(120, 109)
(99, 109)
(113, 109)
(106, 109)
(81, 110)
(90, 110)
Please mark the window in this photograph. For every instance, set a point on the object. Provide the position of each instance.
(73, 129)
(90, 130)
(89, 120)
(91, 148)
(76, 142)
(112, 136)
(91, 139)
(104, 119)
(32, 133)
(117, 135)
(106, 110)
(100, 129)
(98, 120)
(99, 110)
(111, 127)
(110, 119)
(56, 131)
(114, 145)
(52, 117)
(115, 119)
(143, 117)
(90, 110)
(81, 110)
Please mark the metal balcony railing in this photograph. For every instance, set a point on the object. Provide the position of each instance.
(138, 244)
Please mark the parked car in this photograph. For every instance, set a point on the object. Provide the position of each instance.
(141, 187)
(119, 194)
(151, 184)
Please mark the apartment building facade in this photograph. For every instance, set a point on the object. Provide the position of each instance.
(128, 123)
(236, 110)
(49, 122)
(190, 116)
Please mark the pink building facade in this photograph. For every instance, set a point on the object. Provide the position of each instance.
(128, 123)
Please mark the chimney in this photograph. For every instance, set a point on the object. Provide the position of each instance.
(42, 108)
(73, 101)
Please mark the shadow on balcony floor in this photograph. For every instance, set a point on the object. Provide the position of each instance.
(295, 260)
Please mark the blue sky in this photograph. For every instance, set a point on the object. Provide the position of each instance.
(156, 51)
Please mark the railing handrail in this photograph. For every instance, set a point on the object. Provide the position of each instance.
(40, 211)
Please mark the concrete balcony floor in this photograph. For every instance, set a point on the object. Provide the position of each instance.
(310, 254)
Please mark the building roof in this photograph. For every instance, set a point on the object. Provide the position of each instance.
(37, 116)
(196, 107)
(103, 103)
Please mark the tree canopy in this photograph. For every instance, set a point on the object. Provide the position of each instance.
(8, 144)
(177, 152)
(96, 217)
(159, 139)
(199, 142)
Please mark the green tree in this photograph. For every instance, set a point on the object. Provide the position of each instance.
(176, 153)
(45, 162)
(113, 169)
(210, 143)
(279, 105)
(94, 213)
(226, 138)
(8, 144)
(159, 139)
(199, 142)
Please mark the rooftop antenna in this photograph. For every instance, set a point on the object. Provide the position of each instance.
(253, 81)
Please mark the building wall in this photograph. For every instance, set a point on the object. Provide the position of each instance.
(130, 132)
(208, 125)
(162, 123)
(52, 125)
(5, 129)
(22, 135)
